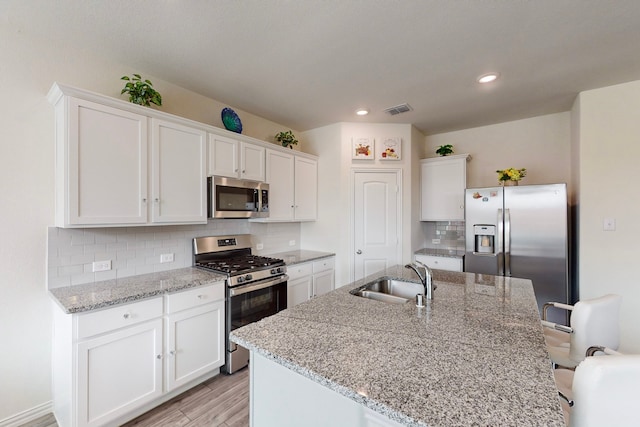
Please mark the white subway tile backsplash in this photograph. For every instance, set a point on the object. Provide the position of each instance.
(79, 279)
(58, 282)
(144, 269)
(137, 250)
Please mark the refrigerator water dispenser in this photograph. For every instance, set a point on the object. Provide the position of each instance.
(485, 238)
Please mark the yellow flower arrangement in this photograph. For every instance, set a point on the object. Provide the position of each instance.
(511, 174)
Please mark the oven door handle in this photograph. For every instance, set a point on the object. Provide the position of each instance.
(239, 290)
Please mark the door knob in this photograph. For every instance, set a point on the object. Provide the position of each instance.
(359, 252)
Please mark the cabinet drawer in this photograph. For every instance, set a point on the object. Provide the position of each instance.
(441, 263)
(324, 264)
(299, 270)
(118, 317)
(195, 297)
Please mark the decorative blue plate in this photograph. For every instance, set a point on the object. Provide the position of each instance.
(231, 121)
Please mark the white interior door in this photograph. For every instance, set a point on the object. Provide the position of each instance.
(376, 225)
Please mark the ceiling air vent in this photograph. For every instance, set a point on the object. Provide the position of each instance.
(398, 109)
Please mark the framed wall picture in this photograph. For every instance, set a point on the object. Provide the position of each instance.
(363, 148)
(390, 148)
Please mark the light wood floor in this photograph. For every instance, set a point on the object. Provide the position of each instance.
(222, 401)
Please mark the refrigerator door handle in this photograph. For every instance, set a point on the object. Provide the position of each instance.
(507, 242)
(499, 245)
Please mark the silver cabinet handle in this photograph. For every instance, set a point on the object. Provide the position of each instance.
(172, 352)
(157, 200)
(126, 315)
(159, 356)
(200, 296)
(144, 200)
(359, 252)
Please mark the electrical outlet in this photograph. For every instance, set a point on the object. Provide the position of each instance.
(166, 258)
(435, 241)
(292, 242)
(101, 265)
(609, 224)
(259, 246)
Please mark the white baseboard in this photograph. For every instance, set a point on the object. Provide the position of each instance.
(28, 415)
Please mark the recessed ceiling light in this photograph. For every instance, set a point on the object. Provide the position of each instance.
(488, 78)
(362, 111)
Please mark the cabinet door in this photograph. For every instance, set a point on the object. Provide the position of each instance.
(252, 162)
(106, 167)
(178, 170)
(323, 282)
(442, 184)
(195, 343)
(306, 189)
(119, 372)
(299, 290)
(223, 156)
(280, 177)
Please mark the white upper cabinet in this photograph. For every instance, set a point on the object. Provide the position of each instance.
(223, 156)
(101, 165)
(178, 170)
(442, 183)
(121, 164)
(293, 187)
(306, 189)
(280, 176)
(235, 159)
(252, 162)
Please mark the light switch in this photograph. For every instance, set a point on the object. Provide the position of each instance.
(609, 224)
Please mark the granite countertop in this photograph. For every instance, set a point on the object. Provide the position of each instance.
(92, 296)
(474, 356)
(300, 256)
(450, 253)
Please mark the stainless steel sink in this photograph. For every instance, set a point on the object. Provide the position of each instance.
(389, 290)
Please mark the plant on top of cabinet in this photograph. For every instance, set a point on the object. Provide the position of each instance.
(445, 150)
(141, 91)
(287, 139)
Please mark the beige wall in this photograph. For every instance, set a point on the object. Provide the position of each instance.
(540, 144)
(609, 149)
(28, 68)
(333, 144)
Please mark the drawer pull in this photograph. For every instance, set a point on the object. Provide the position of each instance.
(126, 315)
(172, 352)
(201, 296)
(159, 357)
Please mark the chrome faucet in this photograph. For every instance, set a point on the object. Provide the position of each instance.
(426, 279)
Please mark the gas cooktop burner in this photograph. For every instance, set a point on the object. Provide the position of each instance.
(231, 255)
(240, 264)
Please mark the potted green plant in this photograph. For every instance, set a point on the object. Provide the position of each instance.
(141, 91)
(445, 150)
(287, 139)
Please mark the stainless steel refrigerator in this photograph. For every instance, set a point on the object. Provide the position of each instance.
(521, 231)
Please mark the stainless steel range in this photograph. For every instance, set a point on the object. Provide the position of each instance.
(256, 286)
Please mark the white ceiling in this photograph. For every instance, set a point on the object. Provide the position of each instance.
(309, 63)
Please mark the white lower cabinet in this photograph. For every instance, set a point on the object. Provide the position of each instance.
(300, 283)
(113, 364)
(323, 276)
(310, 279)
(440, 262)
(193, 347)
(118, 372)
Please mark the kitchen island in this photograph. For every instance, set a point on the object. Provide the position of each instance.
(474, 356)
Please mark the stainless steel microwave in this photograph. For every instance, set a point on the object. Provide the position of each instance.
(237, 198)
